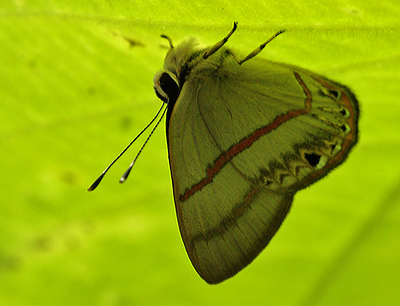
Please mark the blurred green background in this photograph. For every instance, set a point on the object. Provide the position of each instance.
(74, 92)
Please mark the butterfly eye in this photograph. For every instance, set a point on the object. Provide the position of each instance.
(166, 86)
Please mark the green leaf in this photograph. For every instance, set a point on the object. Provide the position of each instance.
(74, 91)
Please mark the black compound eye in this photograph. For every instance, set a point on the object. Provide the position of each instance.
(169, 86)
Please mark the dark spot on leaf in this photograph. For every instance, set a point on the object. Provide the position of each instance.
(126, 122)
(9, 263)
(91, 90)
(68, 177)
(42, 243)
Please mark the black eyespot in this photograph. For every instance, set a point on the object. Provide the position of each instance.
(343, 127)
(331, 93)
(267, 182)
(334, 93)
(343, 112)
(312, 159)
(169, 86)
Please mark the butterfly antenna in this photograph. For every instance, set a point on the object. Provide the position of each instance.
(98, 180)
(125, 175)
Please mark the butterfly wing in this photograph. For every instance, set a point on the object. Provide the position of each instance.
(242, 140)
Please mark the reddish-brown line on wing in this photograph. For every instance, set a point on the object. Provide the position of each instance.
(248, 141)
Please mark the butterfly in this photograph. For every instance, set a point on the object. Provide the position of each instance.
(244, 135)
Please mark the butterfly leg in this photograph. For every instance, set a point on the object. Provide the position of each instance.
(258, 50)
(219, 44)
